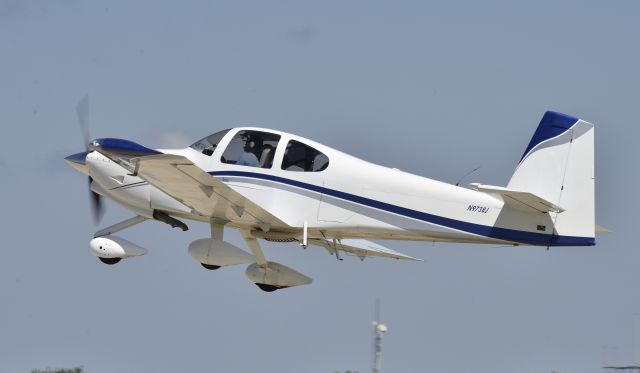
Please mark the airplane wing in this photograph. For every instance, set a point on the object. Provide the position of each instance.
(518, 200)
(181, 179)
(361, 248)
(178, 177)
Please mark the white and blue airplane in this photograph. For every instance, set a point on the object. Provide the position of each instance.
(280, 187)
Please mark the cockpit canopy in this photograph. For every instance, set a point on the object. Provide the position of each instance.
(254, 148)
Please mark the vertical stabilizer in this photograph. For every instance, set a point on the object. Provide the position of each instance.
(557, 166)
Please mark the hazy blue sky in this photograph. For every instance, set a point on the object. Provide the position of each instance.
(434, 88)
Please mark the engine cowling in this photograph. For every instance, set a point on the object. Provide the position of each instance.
(115, 247)
(274, 276)
(218, 253)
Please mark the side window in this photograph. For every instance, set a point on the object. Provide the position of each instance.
(251, 148)
(303, 158)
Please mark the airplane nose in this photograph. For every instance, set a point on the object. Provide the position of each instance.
(78, 158)
(78, 161)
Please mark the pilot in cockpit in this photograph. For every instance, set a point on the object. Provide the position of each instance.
(248, 156)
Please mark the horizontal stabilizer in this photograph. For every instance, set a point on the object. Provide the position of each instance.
(361, 248)
(518, 200)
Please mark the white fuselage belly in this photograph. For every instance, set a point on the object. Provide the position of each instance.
(381, 203)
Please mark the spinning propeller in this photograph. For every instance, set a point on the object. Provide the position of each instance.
(83, 121)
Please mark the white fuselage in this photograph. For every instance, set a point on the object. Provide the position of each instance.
(351, 198)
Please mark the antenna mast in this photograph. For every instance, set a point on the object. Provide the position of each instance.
(378, 330)
(467, 174)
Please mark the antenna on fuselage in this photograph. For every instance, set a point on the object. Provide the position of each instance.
(467, 174)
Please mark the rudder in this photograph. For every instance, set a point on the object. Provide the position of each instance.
(558, 165)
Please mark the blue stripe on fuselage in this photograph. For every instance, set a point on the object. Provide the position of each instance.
(530, 238)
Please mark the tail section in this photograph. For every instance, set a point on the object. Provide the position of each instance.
(558, 167)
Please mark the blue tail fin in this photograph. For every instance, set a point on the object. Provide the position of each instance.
(557, 166)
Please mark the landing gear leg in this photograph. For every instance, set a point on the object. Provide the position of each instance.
(253, 244)
(120, 226)
(217, 232)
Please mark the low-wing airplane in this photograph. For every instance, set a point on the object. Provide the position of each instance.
(280, 187)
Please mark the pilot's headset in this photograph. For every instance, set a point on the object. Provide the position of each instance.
(253, 144)
(250, 145)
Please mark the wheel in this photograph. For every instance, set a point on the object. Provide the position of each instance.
(268, 288)
(210, 266)
(109, 261)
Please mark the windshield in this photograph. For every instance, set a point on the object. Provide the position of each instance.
(209, 143)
